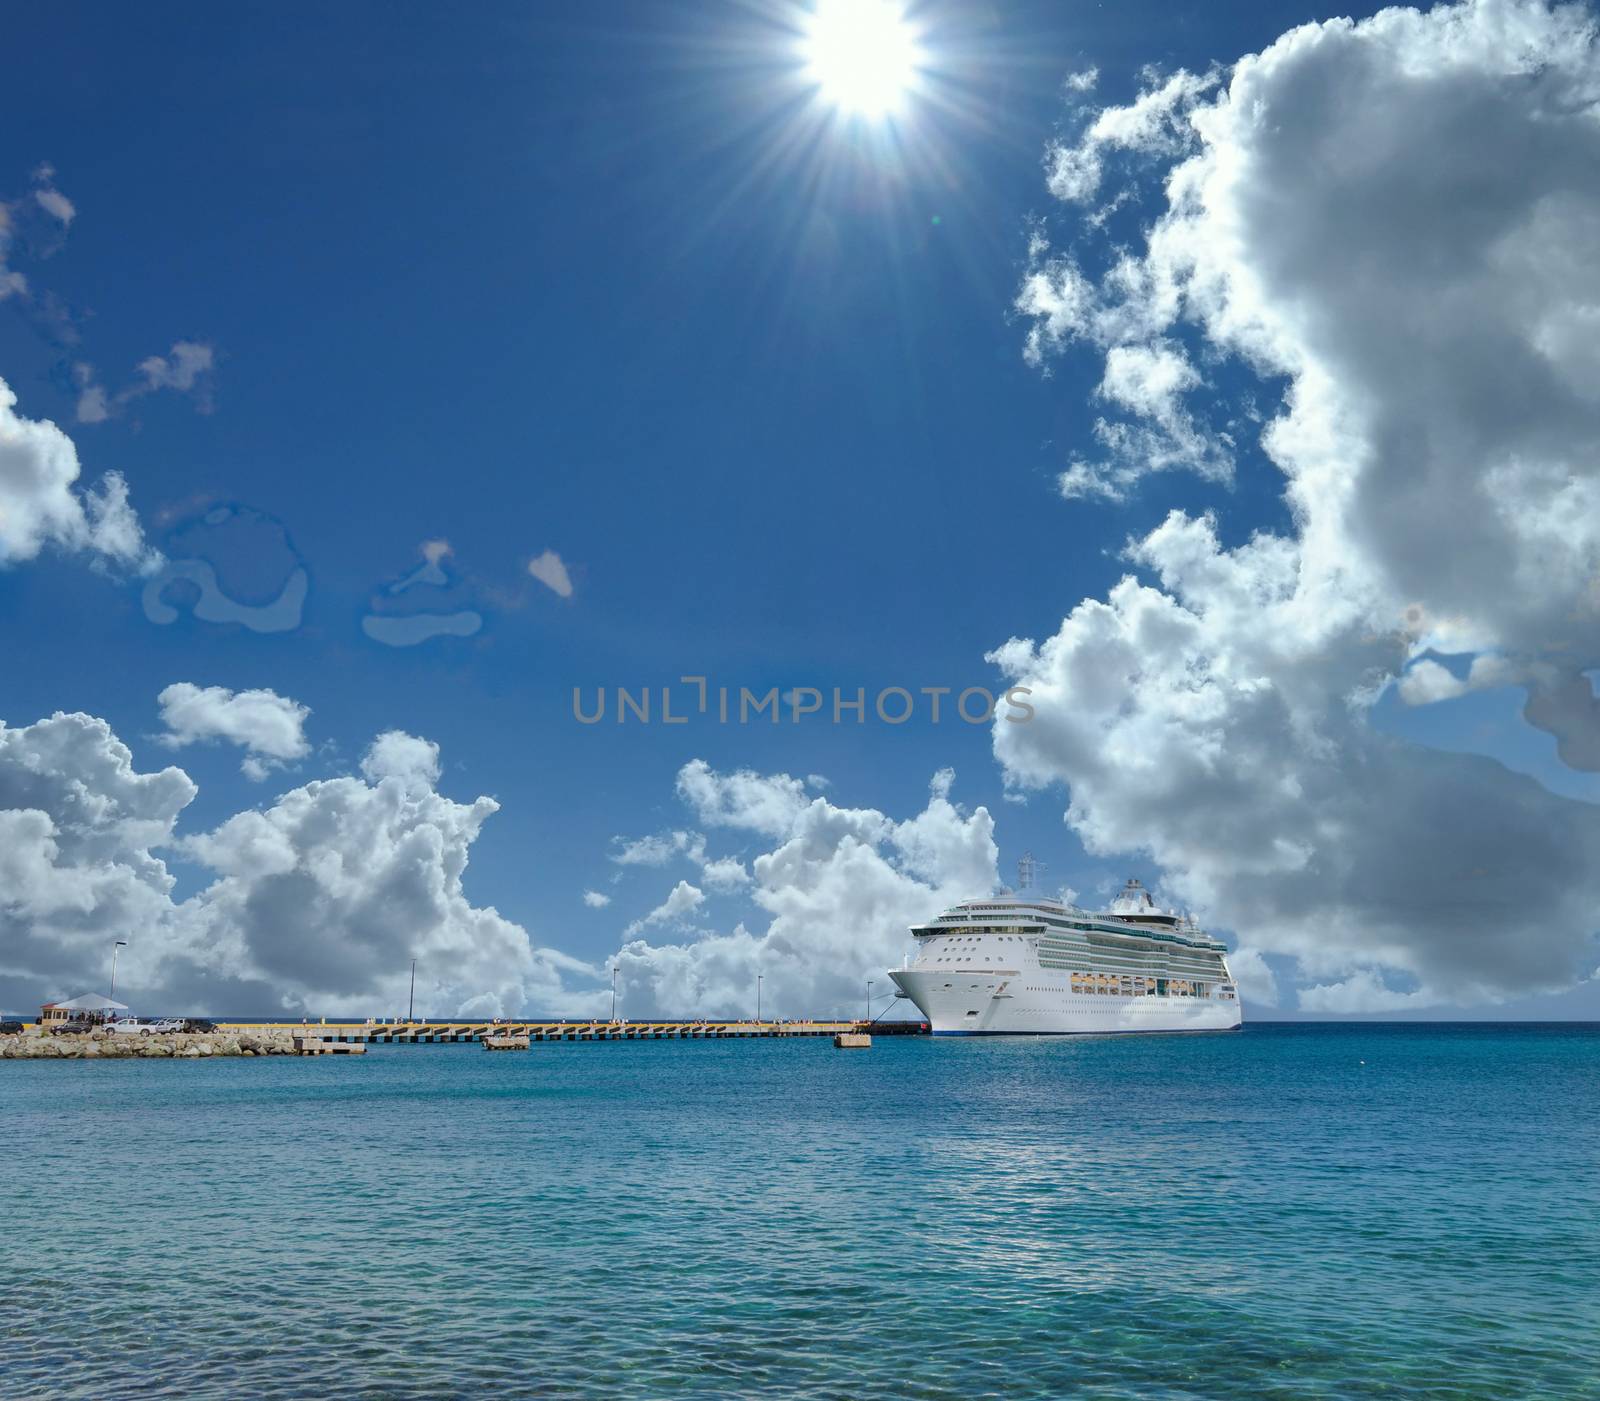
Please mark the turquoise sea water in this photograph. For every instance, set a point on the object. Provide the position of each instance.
(1321, 1211)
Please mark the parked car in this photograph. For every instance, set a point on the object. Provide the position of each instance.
(198, 1024)
(163, 1025)
(129, 1026)
(78, 1026)
(10, 1028)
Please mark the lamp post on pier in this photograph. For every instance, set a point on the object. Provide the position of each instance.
(758, 996)
(615, 969)
(115, 949)
(869, 999)
(411, 1002)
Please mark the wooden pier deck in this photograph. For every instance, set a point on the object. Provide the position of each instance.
(419, 1033)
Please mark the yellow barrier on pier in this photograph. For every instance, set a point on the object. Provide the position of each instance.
(400, 1031)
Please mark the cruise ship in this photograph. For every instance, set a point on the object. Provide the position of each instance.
(1022, 965)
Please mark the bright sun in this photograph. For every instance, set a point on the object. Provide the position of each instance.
(862, 54)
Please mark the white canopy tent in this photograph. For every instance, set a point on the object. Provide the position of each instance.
(91, 1002)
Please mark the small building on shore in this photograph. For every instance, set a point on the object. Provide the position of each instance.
(89, 1007)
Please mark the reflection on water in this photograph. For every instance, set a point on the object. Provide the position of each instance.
(1256, 1214)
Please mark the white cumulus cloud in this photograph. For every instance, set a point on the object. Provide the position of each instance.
(768, 804)
(319, 902)
(268, 726)
(1360, 994)
(40, 504)
(1389, 222)
(683, 900)
(721, 874)
(78, 831)
(408, 760)
(839, 887)
(328, 894)
(725, 873)
(1155, 123)
(316, 904)
(654, 850)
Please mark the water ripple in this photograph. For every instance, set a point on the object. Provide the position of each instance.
(1256, 1215)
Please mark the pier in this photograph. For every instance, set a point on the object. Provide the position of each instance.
(424, 1033)
(323, 1046)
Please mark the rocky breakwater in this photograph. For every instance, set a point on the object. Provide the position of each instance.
(106, 1045)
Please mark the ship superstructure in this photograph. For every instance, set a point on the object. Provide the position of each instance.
(1026, 964)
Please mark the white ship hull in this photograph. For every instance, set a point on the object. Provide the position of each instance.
(1002, 1002)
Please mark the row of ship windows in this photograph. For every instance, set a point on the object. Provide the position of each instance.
(1161, 966)
(1113, 957)
(1050, 939)
(1104, 949)
(1135, 970)
(1101, 949)
(1049, 920)
(1114, 951)
(1109, 992)
(963, 943)
(1070, 956)
(1120, 947)
(1138, 987)
(1101, 939)
(1174, 989)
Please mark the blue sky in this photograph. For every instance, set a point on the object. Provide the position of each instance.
(608, 284)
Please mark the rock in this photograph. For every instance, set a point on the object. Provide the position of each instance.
(106, 1045)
